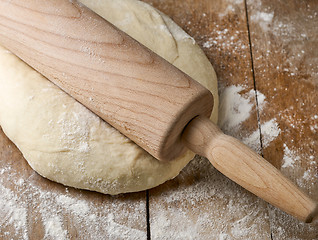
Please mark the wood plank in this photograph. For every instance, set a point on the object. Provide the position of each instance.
(32, 207)
(284, 42)
(201, 203)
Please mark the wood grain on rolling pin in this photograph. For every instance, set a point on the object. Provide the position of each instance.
(94, 61)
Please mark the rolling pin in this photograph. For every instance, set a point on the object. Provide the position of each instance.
(150, 101)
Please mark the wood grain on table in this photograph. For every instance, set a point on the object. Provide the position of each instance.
(267, 48)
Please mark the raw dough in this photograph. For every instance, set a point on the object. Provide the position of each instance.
(65, 142)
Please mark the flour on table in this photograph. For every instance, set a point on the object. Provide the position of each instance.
(229, 7)
(53, 228)
(54, 209)
(12, 213)
(236, 108)
(269, 131)
(225, 40)
(290, 157)
(292, 161)
(264, 19)
(201, 190)
(289, 37)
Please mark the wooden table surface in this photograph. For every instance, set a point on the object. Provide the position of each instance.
(268, 52)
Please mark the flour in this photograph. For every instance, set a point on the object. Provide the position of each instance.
(75, 134)
(78, 207)
(234, 108)
(290, 157)
(289, 35)
(12, 213)
(230, 7)
(226, 40)
(269, 130)
(264, 19)
(224, 236)
(201, 190)
(292, 160)
(53, 228)
(54, 210)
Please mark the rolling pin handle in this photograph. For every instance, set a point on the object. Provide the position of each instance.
(248, 169)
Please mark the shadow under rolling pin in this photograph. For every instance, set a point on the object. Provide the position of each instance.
(146, 98)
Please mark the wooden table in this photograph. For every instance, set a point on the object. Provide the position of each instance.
(263, 49)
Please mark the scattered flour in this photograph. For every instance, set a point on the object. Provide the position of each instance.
(101, 223)
(54, 228)
(226, 40)
(230, 7)
(269, 130)
(224, 236)
(234, 108)
(78, 207)
(203, 192)
(292, 160)
(290, 36)
(12, 213)
(310, 175)
(263, 19)
(290, 157)
(55, 212)
(306, 175)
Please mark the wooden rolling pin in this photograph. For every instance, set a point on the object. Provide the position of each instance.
(136, 91)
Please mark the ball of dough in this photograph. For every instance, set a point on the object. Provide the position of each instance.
(67, 143)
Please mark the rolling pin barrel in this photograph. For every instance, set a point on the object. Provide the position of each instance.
(139, 93)
(106, 70)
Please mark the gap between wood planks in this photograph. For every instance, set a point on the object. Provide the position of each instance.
(258, 122)
(256, 96)
(147, 215)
